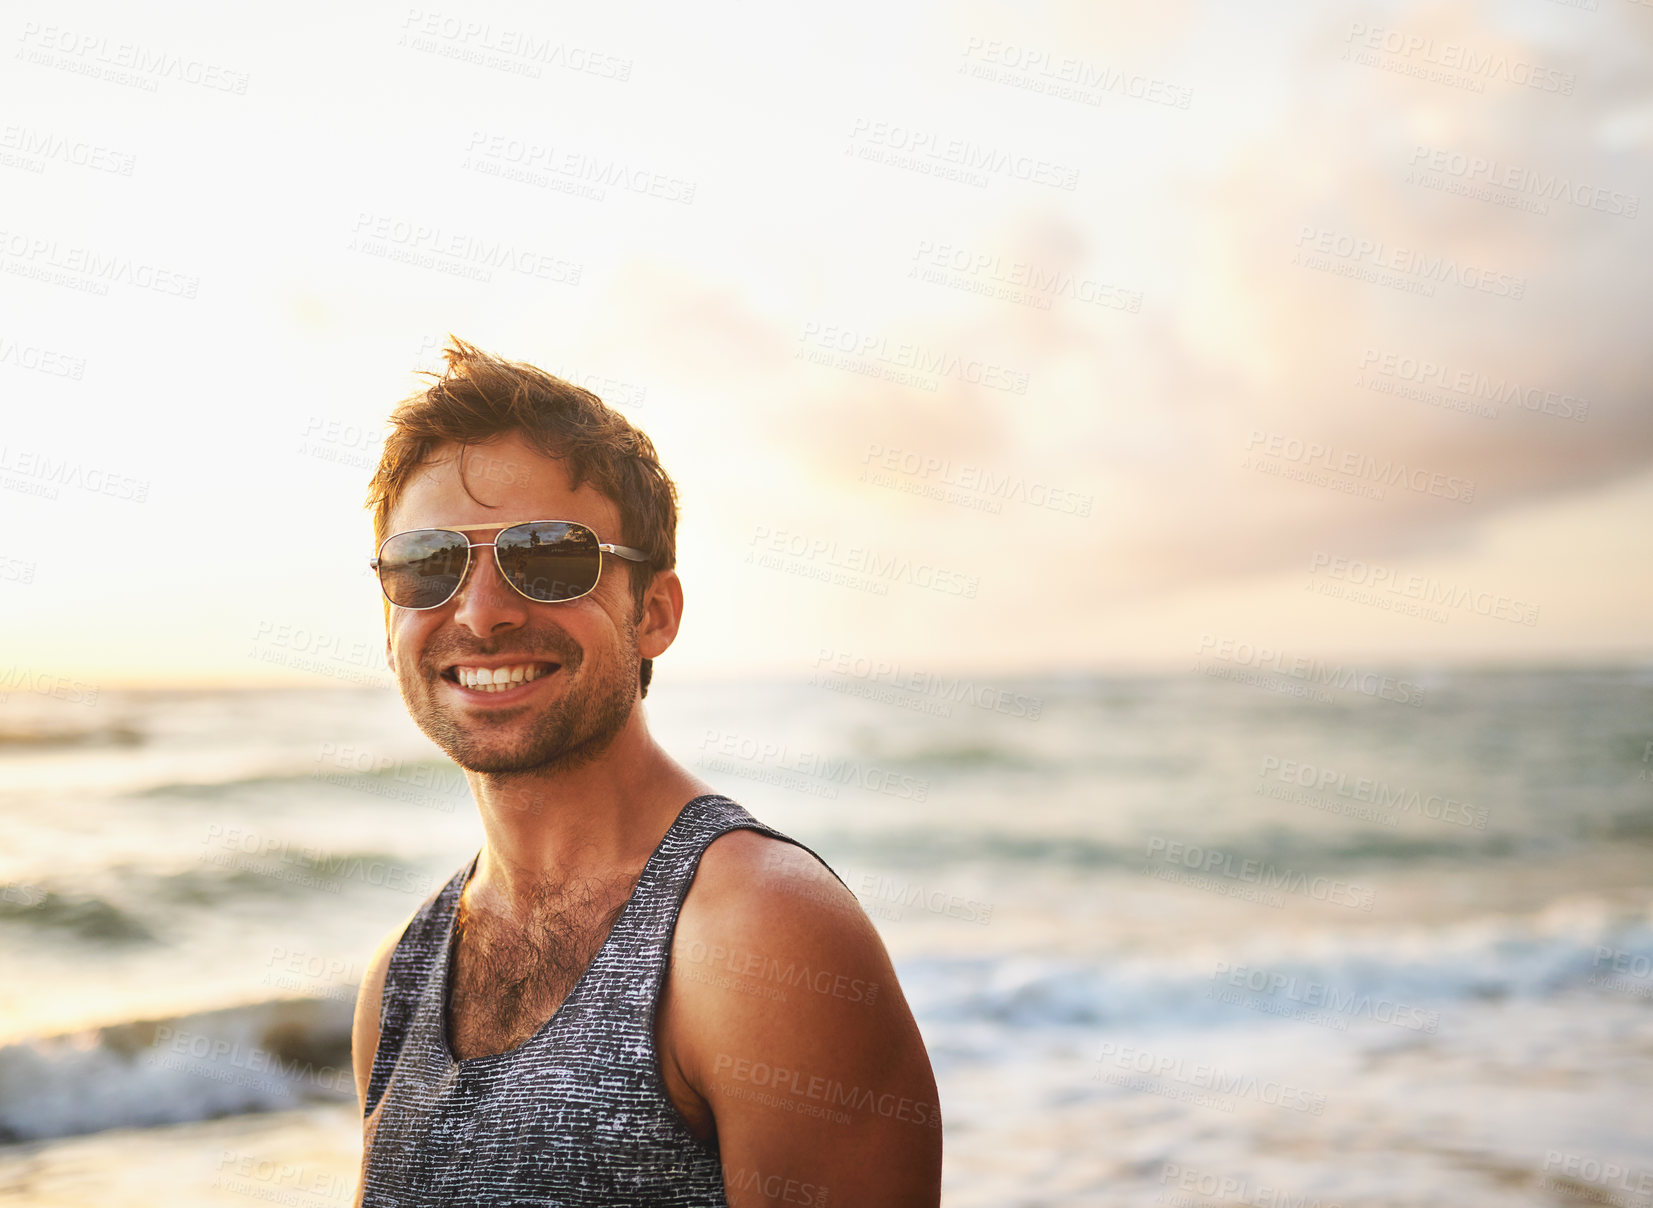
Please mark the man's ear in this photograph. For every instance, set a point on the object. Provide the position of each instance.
(390, 655)
(662, 614)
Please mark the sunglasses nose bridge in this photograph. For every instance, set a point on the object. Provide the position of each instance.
(467, 577)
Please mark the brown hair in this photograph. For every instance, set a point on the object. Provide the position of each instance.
(481, 397)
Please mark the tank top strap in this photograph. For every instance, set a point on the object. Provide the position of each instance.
(624, 980)
(668, 875)
(418, 954)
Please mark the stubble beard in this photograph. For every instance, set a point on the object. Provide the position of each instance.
(568, 732)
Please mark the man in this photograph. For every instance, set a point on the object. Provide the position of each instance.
(635, 993)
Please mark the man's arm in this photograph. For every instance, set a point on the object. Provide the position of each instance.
(783, 1015)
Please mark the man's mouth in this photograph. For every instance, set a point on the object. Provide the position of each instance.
(502, 678)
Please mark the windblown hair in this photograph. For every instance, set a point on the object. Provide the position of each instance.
(481, 397)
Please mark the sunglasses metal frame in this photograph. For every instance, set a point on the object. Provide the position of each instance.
(630, 553)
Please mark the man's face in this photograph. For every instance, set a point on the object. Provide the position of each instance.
(580, 657)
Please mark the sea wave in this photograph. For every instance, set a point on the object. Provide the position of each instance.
(1403, 978)
(1389, 986)
(255, 1057)
(85, 916)
(128, 905)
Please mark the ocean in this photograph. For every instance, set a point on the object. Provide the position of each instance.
(1180, 940)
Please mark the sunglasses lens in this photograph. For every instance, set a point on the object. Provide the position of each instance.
(421, 569)
(550, 560)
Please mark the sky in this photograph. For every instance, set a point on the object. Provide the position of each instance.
(977, 337)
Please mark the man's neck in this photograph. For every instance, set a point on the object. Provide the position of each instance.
(594, 822)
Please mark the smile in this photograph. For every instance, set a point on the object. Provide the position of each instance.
(497, 679)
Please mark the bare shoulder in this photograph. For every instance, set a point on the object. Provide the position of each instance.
(784, 1015)
(747, 877)
(364, 1030)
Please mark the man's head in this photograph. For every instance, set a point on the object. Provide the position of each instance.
(493, 443)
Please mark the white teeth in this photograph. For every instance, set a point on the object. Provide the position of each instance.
(498, 679)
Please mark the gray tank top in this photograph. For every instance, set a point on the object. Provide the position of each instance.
(575, 1115)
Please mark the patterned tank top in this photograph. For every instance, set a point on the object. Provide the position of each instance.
(577, 1114)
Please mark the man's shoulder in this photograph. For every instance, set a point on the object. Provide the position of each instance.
(766, 908)
(752, 877)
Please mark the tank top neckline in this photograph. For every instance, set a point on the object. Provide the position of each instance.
(445, 957)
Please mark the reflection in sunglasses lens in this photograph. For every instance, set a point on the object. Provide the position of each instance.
(422, 569)
(550, 560)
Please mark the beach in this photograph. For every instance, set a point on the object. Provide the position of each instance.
(1178, 939)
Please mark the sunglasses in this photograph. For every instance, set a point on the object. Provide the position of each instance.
(549, 561)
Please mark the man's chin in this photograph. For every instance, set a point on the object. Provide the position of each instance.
(493, 759)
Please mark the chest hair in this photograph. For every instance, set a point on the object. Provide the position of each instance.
(511, 974)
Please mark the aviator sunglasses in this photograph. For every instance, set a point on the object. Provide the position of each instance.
(549, 561)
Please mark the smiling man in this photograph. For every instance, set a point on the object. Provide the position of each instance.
(635, 993)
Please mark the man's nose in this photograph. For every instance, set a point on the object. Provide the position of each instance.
(485, 603)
